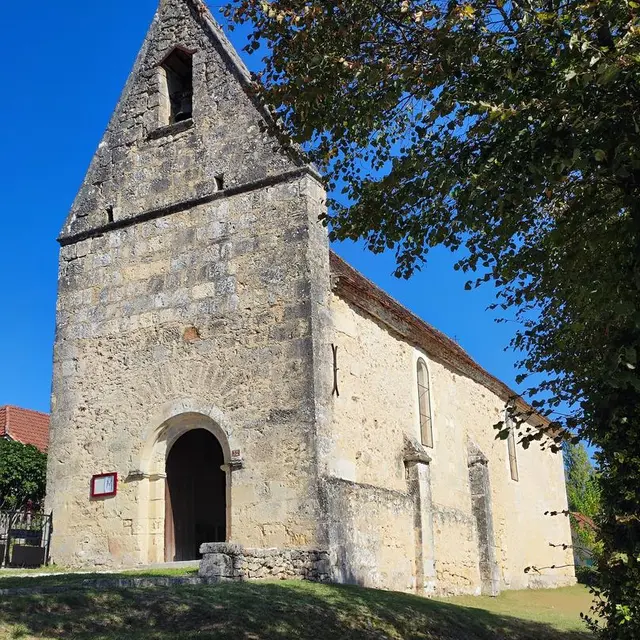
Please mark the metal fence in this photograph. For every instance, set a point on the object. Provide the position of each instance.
(25, 538)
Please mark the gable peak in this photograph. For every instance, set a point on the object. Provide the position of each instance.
(187, 126)
(202, 12)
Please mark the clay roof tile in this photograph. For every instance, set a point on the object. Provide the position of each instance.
(24, 425)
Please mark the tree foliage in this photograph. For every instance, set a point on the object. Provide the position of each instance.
(584, 497)
(508, 130)
(23, 471)
(583, 490)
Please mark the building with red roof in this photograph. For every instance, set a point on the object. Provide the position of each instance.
(25, 425)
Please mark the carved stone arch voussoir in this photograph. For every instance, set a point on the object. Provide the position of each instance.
(173, 420)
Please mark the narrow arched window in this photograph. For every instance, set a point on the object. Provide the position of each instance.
(511, 442)
(424, 404)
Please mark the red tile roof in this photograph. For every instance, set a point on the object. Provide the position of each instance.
(24, 425)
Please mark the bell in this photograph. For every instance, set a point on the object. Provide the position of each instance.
(185, 110)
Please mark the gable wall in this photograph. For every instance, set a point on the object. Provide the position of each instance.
(193, 308)
(136, 171)
(211, 308)
(378, 404)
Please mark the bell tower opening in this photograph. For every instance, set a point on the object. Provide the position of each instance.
(176, 87)
(196, 510)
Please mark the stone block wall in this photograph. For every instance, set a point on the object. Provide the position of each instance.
(376, 408)
(193, 283)
(371, 535)
(232, 562)
(204, 313)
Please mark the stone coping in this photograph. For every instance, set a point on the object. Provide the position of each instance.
(232, 549)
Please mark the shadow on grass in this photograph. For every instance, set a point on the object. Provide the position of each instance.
(252, 611)
(71, 580)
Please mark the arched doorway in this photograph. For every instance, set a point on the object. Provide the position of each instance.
(196, 509)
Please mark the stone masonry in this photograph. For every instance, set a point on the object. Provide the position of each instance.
(231, 562)
(197, 292)
(196, 307)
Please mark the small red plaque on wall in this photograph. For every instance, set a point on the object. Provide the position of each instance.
(104, 485)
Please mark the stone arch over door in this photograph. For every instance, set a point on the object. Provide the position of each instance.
(173, 421)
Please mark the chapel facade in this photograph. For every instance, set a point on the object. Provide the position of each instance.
(244, 385)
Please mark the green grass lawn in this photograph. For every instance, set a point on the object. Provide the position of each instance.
(292, 610)
(560, 608)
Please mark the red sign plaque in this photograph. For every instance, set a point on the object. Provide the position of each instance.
(104, 485)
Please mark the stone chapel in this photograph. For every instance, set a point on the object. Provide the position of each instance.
(221, 378)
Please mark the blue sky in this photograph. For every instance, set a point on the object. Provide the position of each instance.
(66, 65)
